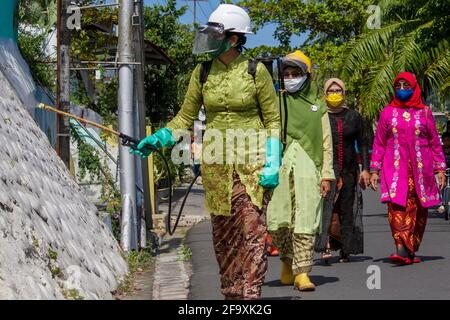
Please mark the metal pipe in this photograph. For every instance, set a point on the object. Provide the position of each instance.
(93, 6)
(106, 62)
(125, 98)
(93, 68)
(140, 129)
(63, 82)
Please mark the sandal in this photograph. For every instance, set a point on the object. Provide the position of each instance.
(344, 257)
(326, 255)
(415, 259)
(395, 258)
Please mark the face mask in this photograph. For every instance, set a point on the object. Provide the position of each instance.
(296, 84)
(224, 47)
(335, 99)
(404, 94)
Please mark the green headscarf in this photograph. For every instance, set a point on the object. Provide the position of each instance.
(304, 124)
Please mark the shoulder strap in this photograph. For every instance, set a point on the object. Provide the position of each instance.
(205, 68)
(252, 65)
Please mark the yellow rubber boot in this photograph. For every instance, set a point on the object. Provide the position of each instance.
(287, 277)
(303, 283)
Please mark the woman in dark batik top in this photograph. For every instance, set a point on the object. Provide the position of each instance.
(342, 213)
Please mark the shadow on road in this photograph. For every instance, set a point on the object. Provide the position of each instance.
(317, 280)
(169, 244)
(423, 258)
(335, 260)
(320, 280)
(282, 298)
(434, 214)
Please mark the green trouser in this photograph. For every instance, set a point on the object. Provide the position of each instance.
(294, 248)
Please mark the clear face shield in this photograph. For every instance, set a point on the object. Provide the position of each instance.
(208, 38)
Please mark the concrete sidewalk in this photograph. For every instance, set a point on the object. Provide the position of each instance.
(173, 263)
(427, 280)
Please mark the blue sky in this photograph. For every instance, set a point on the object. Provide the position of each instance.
(204, 9)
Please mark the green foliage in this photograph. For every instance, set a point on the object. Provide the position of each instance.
(41, 13)
(52, 264)
(106, 102)
(409, 40)
(92, 44)
(36, 18)
(328, 24)
(88, 157)
(413, 37)
(327, 20)
(52, 255)
(160, 170)
(89, 161)
(184, 253)
(71, 294)
(138, 261)
(266, 51)
(165, 86)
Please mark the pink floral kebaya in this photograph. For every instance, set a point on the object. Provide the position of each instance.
(407, 135)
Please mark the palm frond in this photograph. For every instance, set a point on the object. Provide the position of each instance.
(378, 88)
(438, 70)
(370, 48)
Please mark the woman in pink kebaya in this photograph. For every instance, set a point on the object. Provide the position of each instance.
(408, 152)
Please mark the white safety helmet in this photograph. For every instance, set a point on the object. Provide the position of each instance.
(210, 38)
(232, 17)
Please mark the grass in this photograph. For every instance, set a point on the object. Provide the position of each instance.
(138, 261)
(52, 255)
(72, 294)
(52, 265)
(184, 253)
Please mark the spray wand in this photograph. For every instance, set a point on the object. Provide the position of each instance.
(126, 140)
(132, 143)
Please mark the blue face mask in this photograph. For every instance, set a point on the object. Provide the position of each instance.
(404, 94)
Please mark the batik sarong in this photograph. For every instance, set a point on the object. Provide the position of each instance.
(239, 243)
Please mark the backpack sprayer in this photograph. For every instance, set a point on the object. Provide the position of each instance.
(268, 63)
(132, 143)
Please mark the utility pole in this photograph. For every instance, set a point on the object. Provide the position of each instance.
(195, 9)
(63, 82)
(142, 167)
(129, 239)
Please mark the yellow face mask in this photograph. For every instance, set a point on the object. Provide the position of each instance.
(335, 99)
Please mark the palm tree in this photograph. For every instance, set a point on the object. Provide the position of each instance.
(413, 37)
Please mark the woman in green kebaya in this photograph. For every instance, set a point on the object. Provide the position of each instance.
(235, 193)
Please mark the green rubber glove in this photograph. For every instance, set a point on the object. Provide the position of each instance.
(160, 139)
(269, 174)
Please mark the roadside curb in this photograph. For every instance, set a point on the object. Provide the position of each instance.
(172, 275)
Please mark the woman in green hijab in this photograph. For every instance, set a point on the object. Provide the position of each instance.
(294, 213)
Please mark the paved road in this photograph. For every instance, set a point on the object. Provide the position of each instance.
(427, 280)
